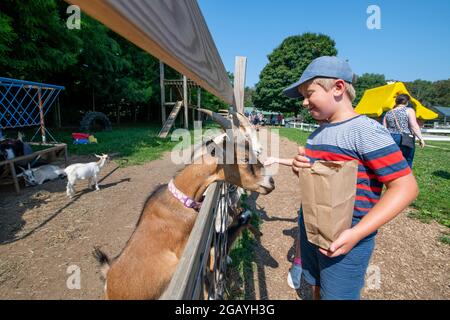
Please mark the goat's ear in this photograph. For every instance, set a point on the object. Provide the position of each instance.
(211, 147)
(97, 155)
(216, 149)
(19, 175)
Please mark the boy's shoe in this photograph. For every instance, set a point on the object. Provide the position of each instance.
(294, 276)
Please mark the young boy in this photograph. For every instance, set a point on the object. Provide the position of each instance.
(326, 86)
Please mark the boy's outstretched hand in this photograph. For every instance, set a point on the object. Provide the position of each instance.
(300, 161)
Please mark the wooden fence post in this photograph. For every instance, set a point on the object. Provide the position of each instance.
(163, 91)
(185, 102)
(239, 82)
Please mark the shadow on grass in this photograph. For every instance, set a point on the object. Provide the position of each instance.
(442, 174)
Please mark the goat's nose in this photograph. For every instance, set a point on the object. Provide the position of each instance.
(271, 180)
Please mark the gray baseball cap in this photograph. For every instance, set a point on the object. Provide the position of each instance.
(325, 66)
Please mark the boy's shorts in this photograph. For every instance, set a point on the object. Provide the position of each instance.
(341, 277)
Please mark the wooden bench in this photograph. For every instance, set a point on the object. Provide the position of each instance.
(51, 153)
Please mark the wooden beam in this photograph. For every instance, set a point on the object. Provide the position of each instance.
(163, 91)
(185, 102)
(170, 120)
(41, 116)
(239, 82)
(14, 176)
(199, 102)
(171, 30)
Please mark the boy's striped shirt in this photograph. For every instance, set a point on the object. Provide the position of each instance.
(363, 139)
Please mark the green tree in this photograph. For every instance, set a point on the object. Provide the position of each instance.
(286, 63)
(248, 97)
(94, 64)
(365, 82)
(34, 40)
(430, 93)
(442, 88)
(422, 90)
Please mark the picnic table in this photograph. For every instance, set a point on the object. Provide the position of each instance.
(52, 152)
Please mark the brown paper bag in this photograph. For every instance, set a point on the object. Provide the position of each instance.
(328, 191)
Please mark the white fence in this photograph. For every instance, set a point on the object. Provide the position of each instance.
(440, 131)
(302, 126)
(436, 134)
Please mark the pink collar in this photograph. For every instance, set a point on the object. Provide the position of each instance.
(184, 199)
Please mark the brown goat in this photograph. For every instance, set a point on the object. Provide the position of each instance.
(145, 267)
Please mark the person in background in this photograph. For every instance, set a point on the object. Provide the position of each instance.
(279, 117)
(260, 118)
(402, 119)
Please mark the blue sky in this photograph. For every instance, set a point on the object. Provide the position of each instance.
(413, 42)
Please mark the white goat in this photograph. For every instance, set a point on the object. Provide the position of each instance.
(38, 176)
(83, 171)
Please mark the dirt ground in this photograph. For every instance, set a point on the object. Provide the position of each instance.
(44, 237)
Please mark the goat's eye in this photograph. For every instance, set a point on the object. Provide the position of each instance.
(252, 169)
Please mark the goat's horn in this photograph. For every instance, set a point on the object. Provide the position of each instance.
(22, 168)
(224, 123)
(35, 160)
(235, 118)
(241, 119)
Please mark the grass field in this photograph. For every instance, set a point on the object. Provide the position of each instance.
(432, 170)
(133, 145)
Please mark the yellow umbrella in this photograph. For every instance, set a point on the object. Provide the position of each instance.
(378, 100)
